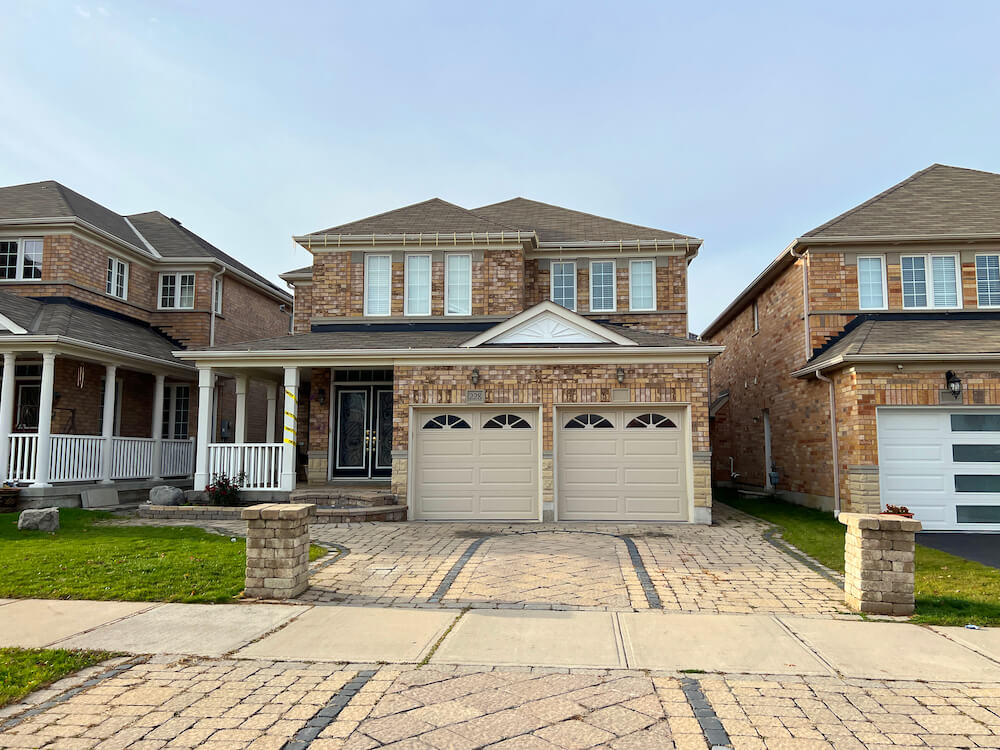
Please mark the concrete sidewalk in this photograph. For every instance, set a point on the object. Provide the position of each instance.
(746, 644)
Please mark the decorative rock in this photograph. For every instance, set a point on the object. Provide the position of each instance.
(195, 497)
(166, 495)
(40, 519)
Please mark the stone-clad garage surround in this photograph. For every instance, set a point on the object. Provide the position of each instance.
(674, 390)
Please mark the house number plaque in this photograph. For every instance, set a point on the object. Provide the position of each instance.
(475, 397)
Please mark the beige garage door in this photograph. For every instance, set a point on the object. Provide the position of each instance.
(479, 464)
(624, 464)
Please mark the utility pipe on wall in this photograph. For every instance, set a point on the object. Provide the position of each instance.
(833, 441)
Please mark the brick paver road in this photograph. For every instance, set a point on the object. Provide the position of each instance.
(233, 704)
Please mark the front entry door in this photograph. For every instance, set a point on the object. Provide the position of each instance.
(362, 430)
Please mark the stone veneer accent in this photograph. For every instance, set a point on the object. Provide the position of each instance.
(863, 489)
(878, 563)
(277, 549)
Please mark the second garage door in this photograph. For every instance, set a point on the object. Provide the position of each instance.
(476, 464)
(623, 464)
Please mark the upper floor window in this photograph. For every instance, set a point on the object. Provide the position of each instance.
(217, 295)
(871, 283)
(21, 259)
(378, 284)
(755, 311)
(117, 282)
(642, 285)
(988, 280)
(458, 284)
(930, 281)
(418, 285)
(602, 286)
(177, 291)
(563, 282)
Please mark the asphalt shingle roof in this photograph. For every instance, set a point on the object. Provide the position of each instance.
(938, 200)
(434, 215)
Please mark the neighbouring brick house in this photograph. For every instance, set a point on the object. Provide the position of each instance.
(93, 304)
(886, 318)
(517, 361)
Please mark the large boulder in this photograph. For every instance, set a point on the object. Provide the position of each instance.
(166, 495)
(39, 519)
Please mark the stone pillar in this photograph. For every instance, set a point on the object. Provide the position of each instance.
(878, 563)
(157, 426)
(277, 549)
(6, 412)
(205, 382)
(44, 452)
(702, 480)
(863, 489)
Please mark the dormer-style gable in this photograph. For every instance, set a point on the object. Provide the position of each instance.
(548, 324)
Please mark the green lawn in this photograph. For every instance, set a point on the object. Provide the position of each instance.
(948, 589)
(128, 563)
(23, 670)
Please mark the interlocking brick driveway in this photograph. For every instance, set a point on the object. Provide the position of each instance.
(260, 705)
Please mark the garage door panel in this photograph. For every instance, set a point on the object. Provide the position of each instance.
(664, 477)
(594, 447)
(591, 507)
(662, 506)
(501, 476)
(504, 448)
(506, 506)
(654, 447)
(914, 453)
(446, 448)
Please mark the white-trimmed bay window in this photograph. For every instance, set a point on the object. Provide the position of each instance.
(21, 259)
(602, 286)
(930, 281)
(457, 284)
(417, 283)
(117, 282)
(378, 284)
(988, 280)
(176, 291)
(872, 294)
(562, 275)
(642, 284)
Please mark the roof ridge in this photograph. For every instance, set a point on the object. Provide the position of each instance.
(435, 199)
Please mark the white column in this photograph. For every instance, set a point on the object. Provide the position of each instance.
(240, 435)
(158, 427)
(288, 435)
(7, 412)
(108, 431)
(272, 405)
(206, 381)
(45, 421)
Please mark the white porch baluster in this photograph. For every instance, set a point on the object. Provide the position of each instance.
(7, 414)
(158, 428)
(108, 427)
(288, 438)
(45, 421)
(205, 382)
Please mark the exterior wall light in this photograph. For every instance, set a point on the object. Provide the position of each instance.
(620, 375)
(475, 376)
(321, 396)
(954, 383)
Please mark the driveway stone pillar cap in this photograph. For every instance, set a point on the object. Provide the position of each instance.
(879, 522)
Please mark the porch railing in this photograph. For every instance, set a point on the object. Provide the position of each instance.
(132, 458)
(259, 462)
(177, 458)
(21, 464)
(75, 458)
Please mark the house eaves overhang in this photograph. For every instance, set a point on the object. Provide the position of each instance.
(71, 221)
(71, 347)
(846, 360)
(427, 240)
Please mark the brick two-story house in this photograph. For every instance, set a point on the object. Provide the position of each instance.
(517, 361)
(861, 366)
(92, 306)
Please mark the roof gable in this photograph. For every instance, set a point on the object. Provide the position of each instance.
(434, 215)
(548, 324)
(938, 200)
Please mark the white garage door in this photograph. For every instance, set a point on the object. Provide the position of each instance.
(943, 464)
(624, 464)
(479, 464)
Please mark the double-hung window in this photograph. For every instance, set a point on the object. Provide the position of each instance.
(378, 284)
(176, 407)
(177, 291)
(642, 284)
(930, 281)
(217, 296)
(988, 280)
(871, 283)
(457, 284)
(602, 286)
(417, 294)
(563, 280)
(117, 282)
(21, 259)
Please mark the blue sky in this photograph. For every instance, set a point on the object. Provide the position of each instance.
(745, 124)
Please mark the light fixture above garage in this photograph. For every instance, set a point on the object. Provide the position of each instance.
(954, 383)
(475, 376)
(620, 374)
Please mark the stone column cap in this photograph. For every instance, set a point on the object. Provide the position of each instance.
(279, 511)
(879, 522)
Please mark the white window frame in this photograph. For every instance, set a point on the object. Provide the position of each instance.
(976, 266)
(885, 284)
(552, 281)
(755, 313)
(406, 284)
(652, 279)
(19, 268)
(177, 290)
(614, 286)
(368, 312)
(170, 406)
(447, 274)
(217, 295)
(117, 267)
(929, 280)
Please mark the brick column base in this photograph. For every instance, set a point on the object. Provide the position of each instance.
(277, 549)
(878, 563)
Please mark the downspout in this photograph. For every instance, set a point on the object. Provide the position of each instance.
(211, 330)
(805, 296)
(833, 441)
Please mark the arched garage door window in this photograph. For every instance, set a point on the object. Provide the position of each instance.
(650, 421)
(446, 422)
(588, 422)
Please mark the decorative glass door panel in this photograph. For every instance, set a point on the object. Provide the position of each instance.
(362, 432)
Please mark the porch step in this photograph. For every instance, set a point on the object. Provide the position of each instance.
(344, 497)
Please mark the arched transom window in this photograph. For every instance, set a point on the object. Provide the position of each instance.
(506, 421)
(650, 421)
(588, 422)
(446, 422)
